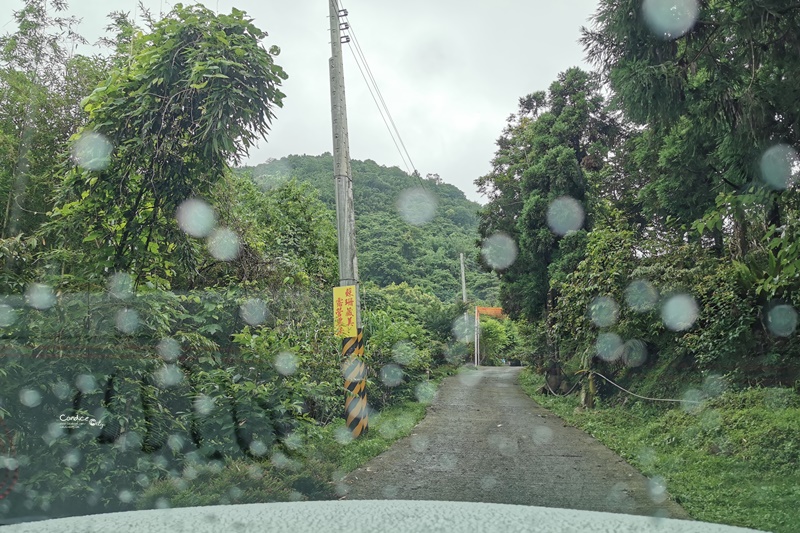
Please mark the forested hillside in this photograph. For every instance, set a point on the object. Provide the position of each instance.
(408, 229)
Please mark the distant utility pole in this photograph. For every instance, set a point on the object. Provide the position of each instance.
(463, 282)
(464, 291)
(352, 346)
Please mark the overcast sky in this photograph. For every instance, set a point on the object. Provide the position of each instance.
(450, 71)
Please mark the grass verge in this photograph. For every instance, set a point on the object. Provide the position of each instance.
(731, 459)
(308, 464)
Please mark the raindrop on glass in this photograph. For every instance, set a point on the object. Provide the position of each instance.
(235, 493)
(169, 376)
(253, 311)
(196, 217)
(61, 389)
(40, 296)
(609, 346)
(780, 166)
(679, 312)
(390, 492)
(190, 473)
(419, 443)
(223, 244)
(425, 392)
(279, 460)
(86, 383)
(127, 321)
(714, 385)
(30, 397)
(641, 296)
(72, 458)
(488, 483)
(92, 151)
(54, 430)
(125, 496)
(635, 353)
(647, 457)
(169, 349)
(416, 206)
(507, 446)
(499, 251)
(162, 503)
(710, 420)
(782, 320)
(692, 401)
(343, 435)
(564, 215)
(448, 461)
(391, 375)
(403, 352)
(657, 488)
(603, 311)
(669, 19)
(463, 328)
(8, 315)
(470, 378)
(255, 472)
(293, 441)
(542, 435)
(128, 441)
(619, 493)
(388, 429)
(258, 448)
(286, 363)
(203, 404)
(120, 285)
(175, 442)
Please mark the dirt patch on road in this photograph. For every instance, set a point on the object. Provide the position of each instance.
(484, 440)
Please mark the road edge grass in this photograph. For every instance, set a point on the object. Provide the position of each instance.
(310, 464)
(731, 460)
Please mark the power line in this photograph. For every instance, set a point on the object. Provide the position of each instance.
(380, 95)
(374, 99)
(383, 108)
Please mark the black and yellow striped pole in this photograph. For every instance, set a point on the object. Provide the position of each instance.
(347, 308)
(355, 403)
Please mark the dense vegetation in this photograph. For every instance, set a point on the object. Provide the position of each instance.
(164, 322)
(656, 223)
(654, 204)
(166, 318)
(731, 459)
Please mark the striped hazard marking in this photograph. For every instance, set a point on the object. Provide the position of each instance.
(355, 384)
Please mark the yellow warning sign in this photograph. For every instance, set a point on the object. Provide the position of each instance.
(344, 311)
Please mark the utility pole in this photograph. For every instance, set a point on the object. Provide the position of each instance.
(463, 282)
(477, 337)
(352, 347)
(464, 292)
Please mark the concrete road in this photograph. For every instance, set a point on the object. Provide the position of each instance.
(485, 440)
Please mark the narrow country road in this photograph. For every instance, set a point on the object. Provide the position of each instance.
(485, 440)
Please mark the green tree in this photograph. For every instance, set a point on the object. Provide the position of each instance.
(545, 154)
(714, 95)
(41, 86)
(197, 93)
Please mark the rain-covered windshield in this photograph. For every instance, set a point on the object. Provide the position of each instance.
(519, 252)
